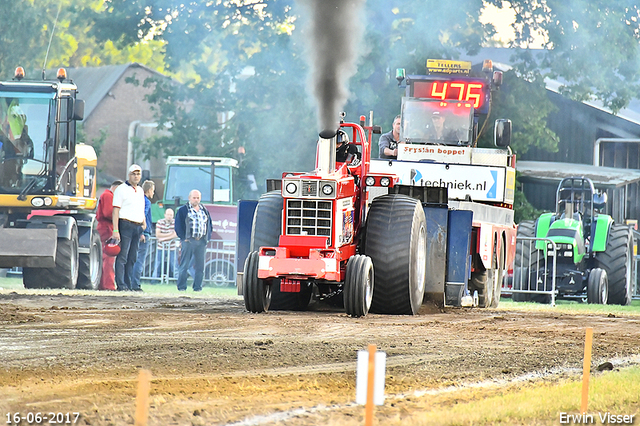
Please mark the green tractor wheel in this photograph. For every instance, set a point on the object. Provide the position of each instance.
(597, 287)
(617, 261)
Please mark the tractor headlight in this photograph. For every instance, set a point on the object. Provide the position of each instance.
(37, 202)
(385, 181)
(291, 188)
(48, 201)
(327, 189)
(370, 181)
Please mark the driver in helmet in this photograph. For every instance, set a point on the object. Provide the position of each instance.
(15, 143)
(14, 129)
(346, 152)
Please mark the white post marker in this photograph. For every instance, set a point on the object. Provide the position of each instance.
(362, 375)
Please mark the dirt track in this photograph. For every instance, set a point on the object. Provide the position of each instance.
(215, 364)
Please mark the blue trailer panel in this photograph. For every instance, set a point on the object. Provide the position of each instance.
(458, 261)
(246, 209)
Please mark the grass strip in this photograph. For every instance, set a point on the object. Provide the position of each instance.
(616, 393)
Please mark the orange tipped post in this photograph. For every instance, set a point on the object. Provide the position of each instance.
(368, 410)
(142, 399)
(586, 370)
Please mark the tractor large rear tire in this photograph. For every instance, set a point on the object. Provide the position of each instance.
(522, 260)
(396, 242)
(617, 260)
(358, 286)
(90, 270)
(267, 226)
(64, 274)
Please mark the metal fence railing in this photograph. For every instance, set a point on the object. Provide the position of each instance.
(161, 264)
(534, 274)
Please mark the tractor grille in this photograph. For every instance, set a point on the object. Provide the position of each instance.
(309, 217)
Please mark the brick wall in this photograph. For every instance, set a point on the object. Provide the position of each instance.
(115, 113)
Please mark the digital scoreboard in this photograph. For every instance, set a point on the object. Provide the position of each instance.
(467, 90)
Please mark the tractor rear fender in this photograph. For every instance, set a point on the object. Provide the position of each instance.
(542, 227)
(600, 232)
(63, 223)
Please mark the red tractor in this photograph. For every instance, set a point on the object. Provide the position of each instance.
(321, 230)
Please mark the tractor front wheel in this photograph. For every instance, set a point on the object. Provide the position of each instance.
(358, 286)
(257, 294)
(597, 287)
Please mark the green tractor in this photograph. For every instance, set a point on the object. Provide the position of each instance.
(591, 255)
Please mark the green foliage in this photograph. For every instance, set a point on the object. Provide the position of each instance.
(96, 143)
(523, 208)
(28, 26)
(19, 36)
(593, 45)
(523, 100)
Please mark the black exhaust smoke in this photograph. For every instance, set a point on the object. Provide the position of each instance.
(333, 31)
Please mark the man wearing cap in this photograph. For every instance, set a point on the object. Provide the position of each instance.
(128, 224)
(439, 132)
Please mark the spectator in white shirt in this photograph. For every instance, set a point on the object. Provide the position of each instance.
(128, 224)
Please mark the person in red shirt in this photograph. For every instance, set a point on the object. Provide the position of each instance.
(105, 229)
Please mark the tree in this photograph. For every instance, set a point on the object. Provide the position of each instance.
(19, 35)
(29, 27)
(591, 45)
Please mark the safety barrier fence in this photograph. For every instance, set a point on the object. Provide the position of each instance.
(533, 271)
(161, 263)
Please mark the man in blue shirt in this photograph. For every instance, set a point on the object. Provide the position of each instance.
(149, 189)
(193, 226)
